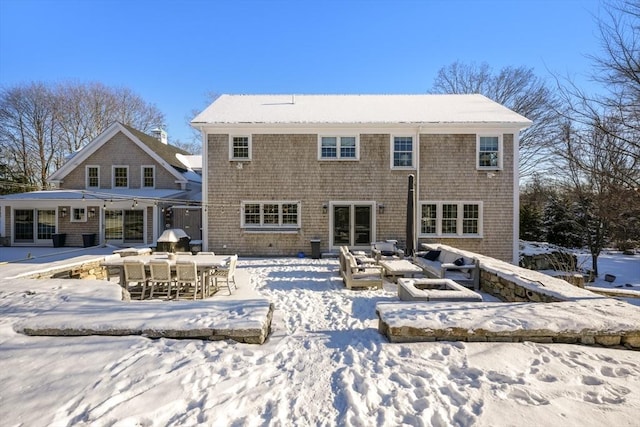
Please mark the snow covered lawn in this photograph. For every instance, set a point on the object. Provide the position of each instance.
(324, 364)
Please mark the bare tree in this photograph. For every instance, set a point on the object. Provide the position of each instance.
(41, 124)
(616, 112)
(89, 109)
(596, 171)
(517, 88)
(28, 132)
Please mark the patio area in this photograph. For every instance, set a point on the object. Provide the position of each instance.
(96, 307)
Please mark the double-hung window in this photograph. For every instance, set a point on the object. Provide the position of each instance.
(338, 148)
(120, 176)
(402, 152)
(489, 152)
(93, 176)
(148, 176)
(451, 219)
(239, 148)
(271, 216)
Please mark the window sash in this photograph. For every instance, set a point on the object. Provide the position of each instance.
(489, 152)
(451, 218)
(338, 147)
(78, 215)
(403, 151)
(284, 215)
(93, 177)
(240, 148)
(428, 225)
(148, 176)
(120, 176)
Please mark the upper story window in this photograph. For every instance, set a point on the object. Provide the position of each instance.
(338, 148)
(148, 176)
(93, 176)
(402, 152)
(270, 216)
(489, 152)
(240, 148)
(120, 176)
(454, 219)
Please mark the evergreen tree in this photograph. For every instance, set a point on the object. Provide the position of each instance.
(531, 228)
(560, 225)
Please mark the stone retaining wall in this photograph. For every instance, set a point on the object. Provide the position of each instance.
(570, 314)
(91, 270)
(510, 291)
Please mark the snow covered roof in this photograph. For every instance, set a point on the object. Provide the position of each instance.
(357, 109)
(191, 161)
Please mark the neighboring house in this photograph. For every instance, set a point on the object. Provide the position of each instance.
(117, 189)
(282, 170)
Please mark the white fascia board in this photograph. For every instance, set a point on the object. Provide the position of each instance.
(305, 128)
(85, 152)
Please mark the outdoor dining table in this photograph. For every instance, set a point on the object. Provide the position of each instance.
(204, 263)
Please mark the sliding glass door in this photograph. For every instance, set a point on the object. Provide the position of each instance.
(125, 226)
(34, 225)
(352, 225)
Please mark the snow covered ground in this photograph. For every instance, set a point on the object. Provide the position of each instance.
(325, 364)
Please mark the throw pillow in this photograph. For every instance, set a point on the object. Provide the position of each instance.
(459, 261)
(387, 253)
(432, 255)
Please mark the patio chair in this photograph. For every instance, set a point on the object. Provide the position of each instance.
(228, 275)
(160, 275)
(187, 277)
(183, 253)
(134, 272)
(387, 249)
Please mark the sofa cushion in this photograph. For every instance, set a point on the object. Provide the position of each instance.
(432, 255)
(449, 257)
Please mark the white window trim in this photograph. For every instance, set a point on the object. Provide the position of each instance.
(113, 175)
(86, 174)
(274, 228)
(500, 152)
(240, 159)
(72, 213)
(338, 146)
(413, 151)
(142, 168)
(459, 221)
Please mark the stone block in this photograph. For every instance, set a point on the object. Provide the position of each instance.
(608, 340)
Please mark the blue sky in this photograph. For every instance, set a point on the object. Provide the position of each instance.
(174, 53)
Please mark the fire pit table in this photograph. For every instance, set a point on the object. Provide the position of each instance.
(434, 290)
(396, 268)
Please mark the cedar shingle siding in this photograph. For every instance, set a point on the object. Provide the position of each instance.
(286, 167)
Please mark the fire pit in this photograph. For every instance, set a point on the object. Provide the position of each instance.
(434, 290)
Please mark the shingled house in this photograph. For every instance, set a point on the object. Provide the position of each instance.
(117, 189)
(282, 170)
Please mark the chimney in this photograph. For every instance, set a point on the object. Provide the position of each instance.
(160, 135)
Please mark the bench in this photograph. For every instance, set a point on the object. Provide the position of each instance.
(441, 263)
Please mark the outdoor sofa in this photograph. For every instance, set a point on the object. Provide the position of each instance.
(441, 263)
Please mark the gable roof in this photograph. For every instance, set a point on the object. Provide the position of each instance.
(167, 152)
(358, 109)
(166, 155)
